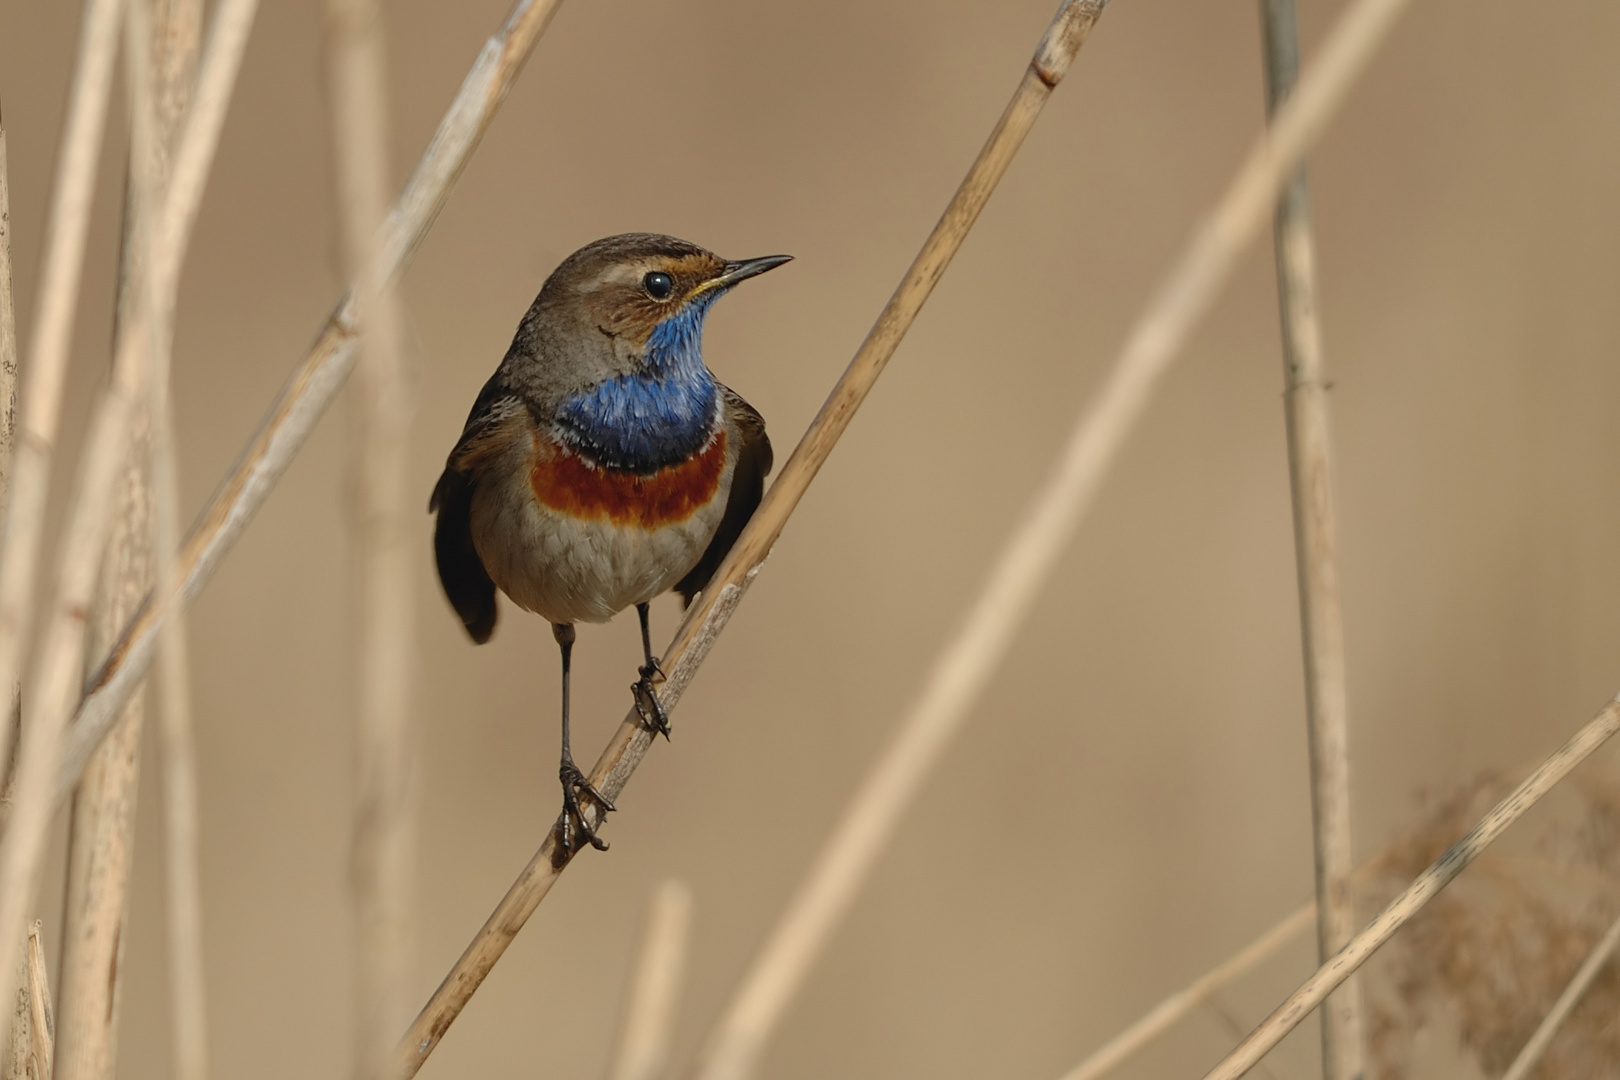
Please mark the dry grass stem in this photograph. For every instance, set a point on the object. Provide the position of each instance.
(33, 1025)
(1533, 1050)
(1178, 1005)
(647, 1028)
(384, 839)
(52, 331)
(708, 615)
(965, 665)
(101, 837)
(59, 667)
(316, 382)
(1311, 993)
(8, 335)
(1310, 469)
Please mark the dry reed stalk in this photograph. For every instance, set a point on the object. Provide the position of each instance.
(966, 663)
(708, 615)
(1310, 470)
(1424, 888)
(58, 668)
(1530, 1056)
(52, 331)
(315, 383)
(1173, 1008)
(8, 337)
(383, 858)
(647, 1028)
(101, 835)
(33, 1026)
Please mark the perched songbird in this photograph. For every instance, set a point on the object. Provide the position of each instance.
(602, 463)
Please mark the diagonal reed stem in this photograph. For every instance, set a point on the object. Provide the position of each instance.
(1310, 470)
(966, 663)
(383, 856)
(1530, 1056)
(708, 615)
(1425, 887)
(647, 1028)
(315, 383)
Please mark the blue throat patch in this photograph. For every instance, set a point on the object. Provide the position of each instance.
(657, 417)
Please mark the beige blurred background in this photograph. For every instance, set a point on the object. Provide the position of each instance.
(1128, 803)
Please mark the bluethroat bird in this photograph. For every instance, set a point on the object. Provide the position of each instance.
(602, 464)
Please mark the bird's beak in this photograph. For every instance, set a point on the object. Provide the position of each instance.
(742, 271)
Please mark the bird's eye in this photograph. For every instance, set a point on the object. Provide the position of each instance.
(658, 285)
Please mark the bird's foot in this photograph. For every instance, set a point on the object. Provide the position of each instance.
(575, 785)
(648, 707)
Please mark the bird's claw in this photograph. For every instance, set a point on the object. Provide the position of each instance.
(574, 784)
(648, 707)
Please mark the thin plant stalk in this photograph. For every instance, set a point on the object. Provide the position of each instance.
(101, 833)
(708, 615)
(1041, 535)
(33, 1025)
(647, 1028)
(51, 335)
(59, 667)
(1425, 887)
(1172, 1009)
(1531, 1055)
(316, 382)
(384, 838)
(1310, 469)
(8, 337)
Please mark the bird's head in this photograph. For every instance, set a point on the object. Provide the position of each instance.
(634, 305)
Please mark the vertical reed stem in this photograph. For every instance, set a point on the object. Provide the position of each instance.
(647, 1028)
(1310, 467)
(8, 337)
(384, 863)
(49, 339)
(101, 837)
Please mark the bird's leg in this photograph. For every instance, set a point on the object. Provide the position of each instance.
(648, 707)
(574, 783)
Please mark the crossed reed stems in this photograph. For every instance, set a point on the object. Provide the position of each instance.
(62, 729)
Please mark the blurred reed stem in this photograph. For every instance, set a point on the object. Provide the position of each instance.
(1425, 887)
(58, 670)
(8, 343)
(1172, 1009)
(315, 383)
(49, 340)
(968, 660)
(651, 1002)
(384, 832)
(101, 833)
(708, 615)
(1533, 1050)
(1310, 470)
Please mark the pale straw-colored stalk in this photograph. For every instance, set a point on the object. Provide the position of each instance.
(1310, 470)
(709, 613)
(1425, 887)
(49, 340)
(651, 1003)
(102, 826)
(58, 671)
(316, 382)
(31, 1049)
(383, 858)
(1041, 535)
(8, 342)
(1531, 1055)
(1172, 1009)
